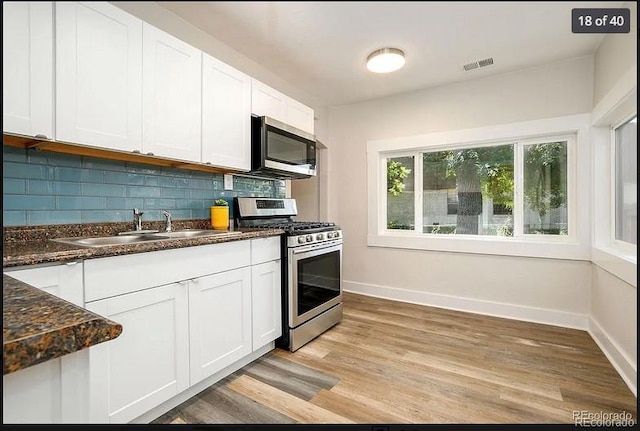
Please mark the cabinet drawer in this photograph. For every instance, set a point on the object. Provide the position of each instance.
(265, 249)
(117, 275)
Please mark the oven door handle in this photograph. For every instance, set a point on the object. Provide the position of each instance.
(316, 251)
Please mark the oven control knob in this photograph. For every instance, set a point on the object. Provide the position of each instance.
(309, 238)
(336, 235)
(302, 239)
(330, 235)
(319, 237)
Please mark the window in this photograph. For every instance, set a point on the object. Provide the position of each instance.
(469, 182)
(519, 189)
(545, 188)
(472, 190)
(626, 182)
(400, 201)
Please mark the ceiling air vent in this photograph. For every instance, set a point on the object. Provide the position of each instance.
(478, 64)
(470, 66)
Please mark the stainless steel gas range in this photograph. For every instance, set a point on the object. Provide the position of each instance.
(311, 267)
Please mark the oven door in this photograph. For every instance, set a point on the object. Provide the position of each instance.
(315, 280)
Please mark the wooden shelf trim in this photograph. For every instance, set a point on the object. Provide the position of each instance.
(82, 150)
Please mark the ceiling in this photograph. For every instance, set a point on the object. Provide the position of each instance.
(321, 47)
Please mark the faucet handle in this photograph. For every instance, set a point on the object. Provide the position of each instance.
(167, 214)
(136, 211)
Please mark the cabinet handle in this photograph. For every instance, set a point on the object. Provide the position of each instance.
(183, 282)
(41, 136)
(195, 280)
(136, 151)
(150, 153)
(71, 263)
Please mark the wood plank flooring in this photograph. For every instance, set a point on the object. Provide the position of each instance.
(389, 362)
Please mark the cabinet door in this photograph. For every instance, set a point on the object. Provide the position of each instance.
(268, 101)
(149, 362)
(171, 96)
(219, 321)
(300, 116)
(27, 68)
(98, 75)
(226, 115)
(63, 281)
(266, 303)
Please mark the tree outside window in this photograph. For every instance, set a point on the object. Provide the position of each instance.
(471, 191)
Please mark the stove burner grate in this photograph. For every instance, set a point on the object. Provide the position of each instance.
(300, 226)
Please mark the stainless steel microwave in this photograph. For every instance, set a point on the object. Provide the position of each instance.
(281, 151)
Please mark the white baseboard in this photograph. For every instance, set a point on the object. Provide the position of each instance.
(201, 386)
(620, 361)
(489, 308)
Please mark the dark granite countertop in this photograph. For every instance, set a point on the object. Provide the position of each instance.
(37, 326)
(33, 245)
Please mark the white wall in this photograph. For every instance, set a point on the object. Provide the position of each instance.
(309, 193)
(614, 312)
(555, 291)
(614, 316)
(615, 55)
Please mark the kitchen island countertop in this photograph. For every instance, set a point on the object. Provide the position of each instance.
(37, 326)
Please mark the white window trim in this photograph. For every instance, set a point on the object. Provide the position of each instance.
(615, 106)
(623, 248)
(575, 246)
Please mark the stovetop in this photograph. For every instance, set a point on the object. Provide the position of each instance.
(295, 227)
(279, 213)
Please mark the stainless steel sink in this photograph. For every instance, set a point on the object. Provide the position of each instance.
(192, 233)
(111, 240)
(141, 238)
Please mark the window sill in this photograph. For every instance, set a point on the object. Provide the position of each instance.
(552, 249)
(623, 266)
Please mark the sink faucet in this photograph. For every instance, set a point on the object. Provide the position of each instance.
(137, 219)
(167, 214)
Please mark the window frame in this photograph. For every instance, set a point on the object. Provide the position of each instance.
(620, 102)
(622, 247)
(574, 246)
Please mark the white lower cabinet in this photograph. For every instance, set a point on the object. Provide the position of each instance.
(187, 314)
(63, 281)
(53, 392)
(266, 303)
(219, 321)
(149, 362)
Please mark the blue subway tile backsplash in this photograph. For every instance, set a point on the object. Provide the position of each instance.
(41, 187)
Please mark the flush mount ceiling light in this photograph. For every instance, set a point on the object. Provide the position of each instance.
(385, 60)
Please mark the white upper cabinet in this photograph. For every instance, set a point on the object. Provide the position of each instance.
(300, 116)
(98, 76)
(27, 68)
(226, 115)
(171, 96)
(268, 101)
(272, 103)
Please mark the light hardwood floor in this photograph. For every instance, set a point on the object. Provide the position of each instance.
(391, 362)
